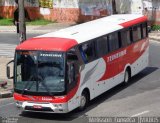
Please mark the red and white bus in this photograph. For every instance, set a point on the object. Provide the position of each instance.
(61, 71)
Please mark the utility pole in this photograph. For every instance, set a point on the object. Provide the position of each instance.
(22, 24)
(114, 6)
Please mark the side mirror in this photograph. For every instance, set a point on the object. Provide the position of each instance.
(8, 71)
(71, 72)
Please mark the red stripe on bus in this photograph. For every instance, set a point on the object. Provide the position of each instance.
(51, 99)
(133, 22)
(47, 44)
(117, 66)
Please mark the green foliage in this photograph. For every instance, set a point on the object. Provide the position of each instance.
(6, 22)
(39, 22)
(9, 22)
(155, 27)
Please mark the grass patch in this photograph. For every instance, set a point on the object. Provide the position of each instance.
(6, 22)
(39, 22)
(9, 22)
(155, 28)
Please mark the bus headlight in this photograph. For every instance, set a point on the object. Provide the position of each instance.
(19, 104)
(59, 106)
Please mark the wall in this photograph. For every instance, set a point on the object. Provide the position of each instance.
(155, 11)
(60, 10)
(150, 8)
(81, 10)
(92, 9)
(129, 6)
(6, 8)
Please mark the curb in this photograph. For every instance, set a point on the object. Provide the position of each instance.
(28, 31)
(2, 84)
(6, 94)
(155, 39)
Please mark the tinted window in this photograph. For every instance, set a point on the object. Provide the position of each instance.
(101, 46)
(113, 41)
(72, 58)
(136, 31)
(87, 51)
(125, 38)
(144, 29)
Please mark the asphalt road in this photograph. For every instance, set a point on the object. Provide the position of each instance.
(9, 41)
(140, 98)
(13, 38)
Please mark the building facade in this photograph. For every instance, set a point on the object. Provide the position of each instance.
(81, 10)
(150, 8)
(60, 10)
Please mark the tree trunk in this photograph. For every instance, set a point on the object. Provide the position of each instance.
(114, 6)
(22, 25)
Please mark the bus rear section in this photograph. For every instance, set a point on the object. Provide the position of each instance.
(61, 71)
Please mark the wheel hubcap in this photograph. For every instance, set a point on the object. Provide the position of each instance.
(126, 77)
(83, 101)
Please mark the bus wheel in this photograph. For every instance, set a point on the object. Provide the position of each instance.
(84, 100)
(126, 76)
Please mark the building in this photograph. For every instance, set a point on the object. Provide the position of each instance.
(81, 10)
(60, 10)
(150, 8)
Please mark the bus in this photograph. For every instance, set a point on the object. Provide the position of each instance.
(64, 70)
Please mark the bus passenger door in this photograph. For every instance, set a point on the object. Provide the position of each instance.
(72, 79)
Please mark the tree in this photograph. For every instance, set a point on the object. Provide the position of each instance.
(114, 6)
(22, 24)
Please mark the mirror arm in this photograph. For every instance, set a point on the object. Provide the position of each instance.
(8, 70)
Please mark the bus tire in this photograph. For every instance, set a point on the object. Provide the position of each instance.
(84, 100)
(127, 76)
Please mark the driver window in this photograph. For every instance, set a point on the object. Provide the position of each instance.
(72, 68)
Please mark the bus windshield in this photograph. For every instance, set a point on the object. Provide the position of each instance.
(39, 72)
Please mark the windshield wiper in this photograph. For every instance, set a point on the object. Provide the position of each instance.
(28, 88)
(46, 87)
(26, 85)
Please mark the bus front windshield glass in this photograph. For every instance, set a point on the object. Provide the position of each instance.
(38, 71)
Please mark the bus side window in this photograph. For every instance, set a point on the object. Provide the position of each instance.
(113, 41)
(101, 46)
(125, 37)
(136, 31)
(87, 51)
(144, 30)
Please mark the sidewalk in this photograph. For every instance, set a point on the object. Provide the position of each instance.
(7, 91)
(38, 29)
(155, 35)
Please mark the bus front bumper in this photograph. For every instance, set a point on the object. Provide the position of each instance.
(42, 107)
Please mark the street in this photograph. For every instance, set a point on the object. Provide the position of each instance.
(139, 98)
(9, 41)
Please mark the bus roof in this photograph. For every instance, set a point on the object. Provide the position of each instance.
(47, 44)
(92, 29)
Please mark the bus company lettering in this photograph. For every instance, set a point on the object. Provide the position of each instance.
(116, 56)
(51, 55)
(46, 98)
